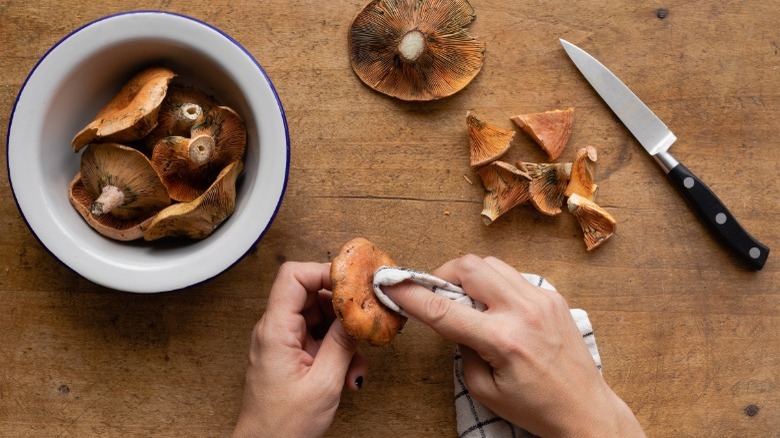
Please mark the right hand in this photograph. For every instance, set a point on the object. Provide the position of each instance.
(524, 357)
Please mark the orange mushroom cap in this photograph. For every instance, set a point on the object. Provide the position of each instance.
(583, 174)
(415, 49)
(130, 114)
(596, 223)
(487, 142)
(506, 187)
(550, 129)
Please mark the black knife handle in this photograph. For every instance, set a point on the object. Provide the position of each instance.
(720, 221)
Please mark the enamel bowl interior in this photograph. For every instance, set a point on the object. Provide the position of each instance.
(75, 79)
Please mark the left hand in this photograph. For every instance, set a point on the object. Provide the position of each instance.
(295, 376)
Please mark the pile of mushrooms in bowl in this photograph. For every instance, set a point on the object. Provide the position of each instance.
(227, 155)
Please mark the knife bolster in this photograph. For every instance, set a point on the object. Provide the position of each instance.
(666, 161)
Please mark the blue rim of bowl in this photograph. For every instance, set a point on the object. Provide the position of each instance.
(229, 38)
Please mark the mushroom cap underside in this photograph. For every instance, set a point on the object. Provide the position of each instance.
(596, 223)
(548, 185)
(505, 188)
(487, 142)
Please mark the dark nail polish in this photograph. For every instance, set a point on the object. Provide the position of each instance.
(359, 382)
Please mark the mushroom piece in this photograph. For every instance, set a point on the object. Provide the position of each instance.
(548, 185)
(108, 225)
(583, 174)
(188, 166)
(132, 113)
(415, 50)
(596, 223)
(360, 312)
(487, 142)
(181, 110)
(199, 218)
(550, 129)
(122, 181)
(506, 186)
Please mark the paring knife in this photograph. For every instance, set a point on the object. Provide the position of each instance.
(656, 138)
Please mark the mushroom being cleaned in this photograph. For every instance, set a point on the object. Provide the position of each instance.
(506, 187)
(486, 142)
(132, 113)
(550, 129)
(415, 49)
(548, 185)
(199, 218)
(122, 181)
(360, 312)
(188, 166)
(583, 174)
(181, 110)
(596, 223)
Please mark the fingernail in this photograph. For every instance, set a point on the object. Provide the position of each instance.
(359, 382)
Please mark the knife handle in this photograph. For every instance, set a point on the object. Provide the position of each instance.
(720, 221)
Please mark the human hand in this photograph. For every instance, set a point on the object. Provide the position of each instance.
(295, 375)
(524, 357)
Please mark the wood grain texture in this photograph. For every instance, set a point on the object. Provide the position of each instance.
(689, 338)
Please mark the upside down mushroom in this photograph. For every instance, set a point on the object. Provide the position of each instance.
(550, 129)
(360, 312)
(130, 114)
(181, 110)
(506, 187)
(596, 223)
(200, 217)
(415, 49)
(486, 142)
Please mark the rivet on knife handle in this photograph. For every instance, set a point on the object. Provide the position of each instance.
(712, 211)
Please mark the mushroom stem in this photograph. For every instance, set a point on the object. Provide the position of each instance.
(185, 117)
(110, 197)
(412, 45)
(200, 149)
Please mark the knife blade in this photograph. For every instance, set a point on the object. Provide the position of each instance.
(656, 138)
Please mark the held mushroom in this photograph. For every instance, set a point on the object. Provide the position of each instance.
(548, 185)
(360, 312)
(108, 225)
(122, 181)
(188, 166)
(486, 142)
(596, 223)
(583, 174)
(199, 218)
(550, 129)
(506, 187)
(130, 114)
(415, 50)
(180, 111)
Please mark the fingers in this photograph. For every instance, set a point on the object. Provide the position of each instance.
(294, 284)
(335, 353)
(357, 371)
(479, 279)
(477, 375)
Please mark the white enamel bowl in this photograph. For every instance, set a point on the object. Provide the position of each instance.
(75, 79)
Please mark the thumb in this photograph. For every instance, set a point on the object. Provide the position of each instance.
(336, 352)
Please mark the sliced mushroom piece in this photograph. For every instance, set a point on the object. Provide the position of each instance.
(199, 218)
(130, 114)
(548, 185)
(122, 181)
(108, 225)
(415, 50)
(181, 110)
(583, 174)
(188, 166)
(506, 187)
(550, 129)
(487, 142)
(596, 223)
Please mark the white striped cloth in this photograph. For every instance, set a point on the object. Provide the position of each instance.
(473, 419)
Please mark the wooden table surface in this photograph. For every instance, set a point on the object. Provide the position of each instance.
(688, 335)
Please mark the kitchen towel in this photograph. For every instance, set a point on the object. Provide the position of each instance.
(473, 419)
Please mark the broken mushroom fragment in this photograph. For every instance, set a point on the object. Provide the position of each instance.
(122, 181)
(108, 225)
(360, 312)
(550, 129)
(181, 110)
(130, 114)
(596, 223)
(415, 50)
(188, 166)
(583, 174)
(199, 218)
(486, 142)
(548, 185)
(506, 187)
